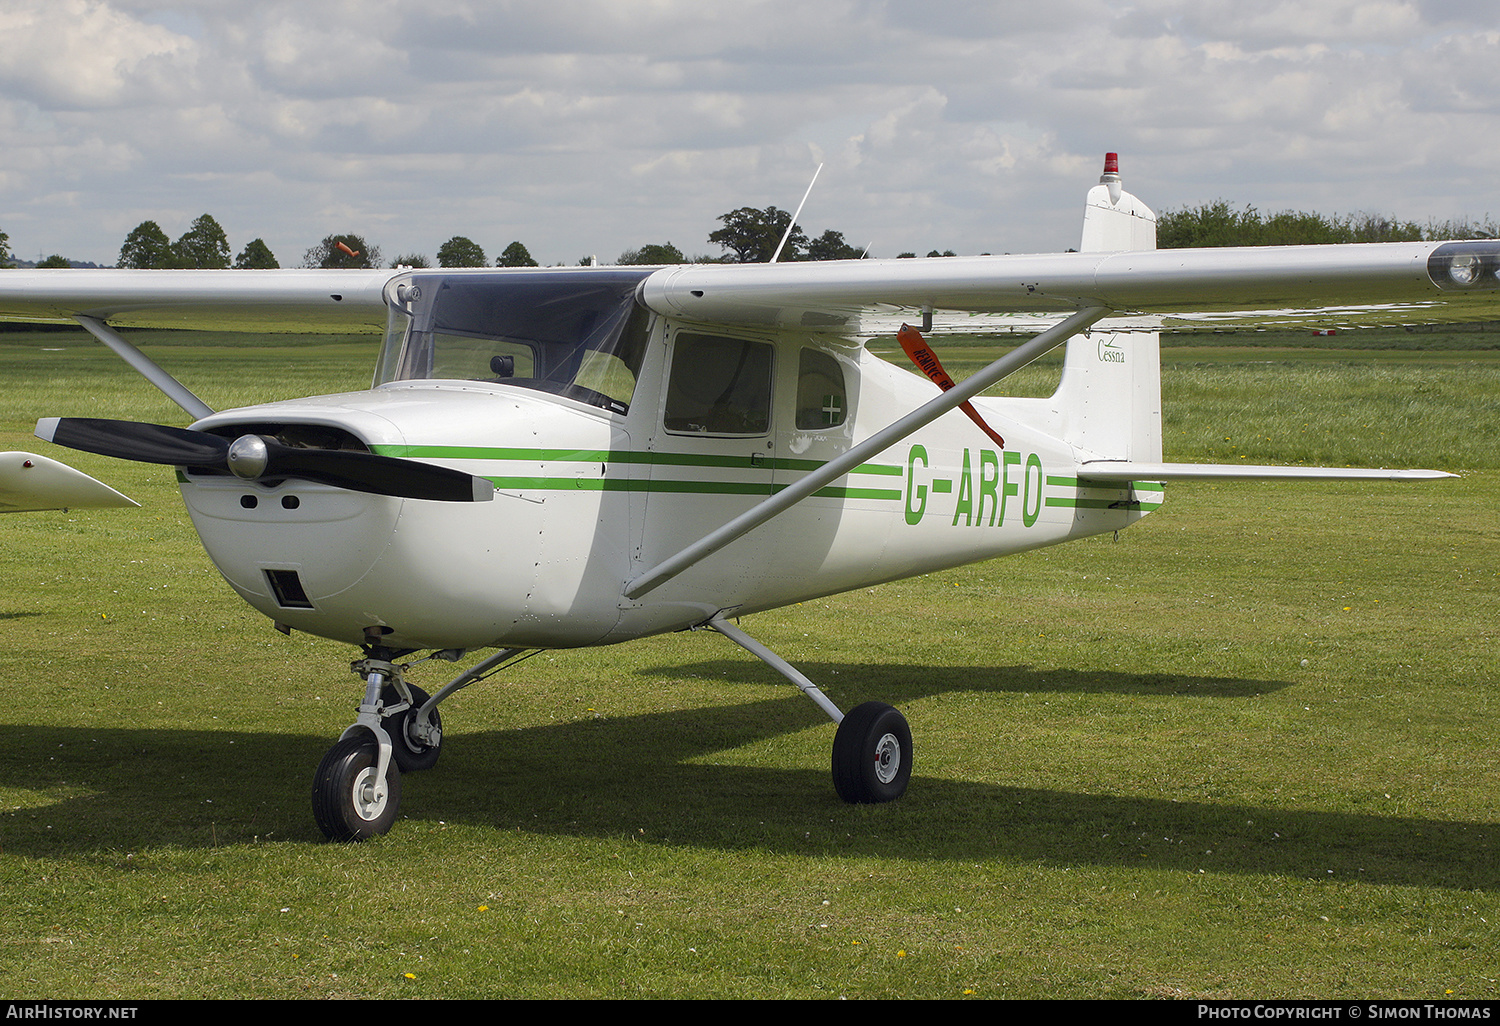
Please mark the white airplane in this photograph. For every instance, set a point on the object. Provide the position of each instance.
(554, 458)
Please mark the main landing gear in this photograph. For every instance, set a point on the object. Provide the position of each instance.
(357, 789)
(872, 747)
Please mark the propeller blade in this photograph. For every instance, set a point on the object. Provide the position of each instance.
(254, 457)
(132, 440)
(382, 475)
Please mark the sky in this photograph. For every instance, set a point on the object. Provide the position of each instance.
(589, 127)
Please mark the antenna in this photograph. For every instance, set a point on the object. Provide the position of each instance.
(793, 223)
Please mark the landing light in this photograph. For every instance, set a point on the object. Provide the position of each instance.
(1464, 270)
(1465, 265)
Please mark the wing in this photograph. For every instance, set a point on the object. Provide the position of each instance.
(291, 300)
(1388, 283)
(29, 482)
(1350, 285)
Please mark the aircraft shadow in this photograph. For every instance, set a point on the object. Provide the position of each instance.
(895, 682)
(669, 777)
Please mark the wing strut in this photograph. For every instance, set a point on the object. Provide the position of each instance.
(870, 447)
(174, 389)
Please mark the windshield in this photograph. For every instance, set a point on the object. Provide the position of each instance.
(577, 333)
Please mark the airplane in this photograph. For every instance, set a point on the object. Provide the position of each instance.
(552, 458)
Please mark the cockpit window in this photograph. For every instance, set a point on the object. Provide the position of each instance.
(575, 333)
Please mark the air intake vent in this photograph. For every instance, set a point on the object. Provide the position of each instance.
(287, 587)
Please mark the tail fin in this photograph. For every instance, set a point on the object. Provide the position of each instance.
(1110, 395)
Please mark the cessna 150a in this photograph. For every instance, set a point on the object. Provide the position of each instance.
(553, 458)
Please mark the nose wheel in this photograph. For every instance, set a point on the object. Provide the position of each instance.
(352, 800)
(357, 789)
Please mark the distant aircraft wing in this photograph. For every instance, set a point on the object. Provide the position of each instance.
(29, 482)
(1345, 285)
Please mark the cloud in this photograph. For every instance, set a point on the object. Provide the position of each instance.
(586, 126)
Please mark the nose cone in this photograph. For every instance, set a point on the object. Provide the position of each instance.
(295, 551)
(540, 566)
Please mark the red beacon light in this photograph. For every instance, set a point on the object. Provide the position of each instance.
(1111, 176)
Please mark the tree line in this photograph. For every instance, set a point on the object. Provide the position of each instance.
(1220, 224)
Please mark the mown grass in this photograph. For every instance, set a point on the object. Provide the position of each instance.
(1244, 750)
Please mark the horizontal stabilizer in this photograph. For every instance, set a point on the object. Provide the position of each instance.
(1121, 470)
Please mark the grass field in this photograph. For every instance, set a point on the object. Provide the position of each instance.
(1245, 750)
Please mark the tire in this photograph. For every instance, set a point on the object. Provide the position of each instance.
(410, 754)
(341, 802)
(872, 755)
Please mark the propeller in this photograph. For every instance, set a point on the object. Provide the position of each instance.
(255, 457)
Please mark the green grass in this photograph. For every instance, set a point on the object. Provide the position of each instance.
(1245, 750)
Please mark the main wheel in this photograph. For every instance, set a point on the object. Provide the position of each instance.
(872, 754)
(344, 800)
(411, 755)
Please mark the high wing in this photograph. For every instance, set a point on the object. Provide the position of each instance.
(290, 300)
(1345, 285)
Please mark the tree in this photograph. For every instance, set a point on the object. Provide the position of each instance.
(256, 256)
(516, 255)
(1217, 224)
(831, 246)
(344, 252)
(56, 260)
(4, 250)
(202, 246)
(752, 235)
(653, 253)
(411, 260)
(146, 246)
(461, 252)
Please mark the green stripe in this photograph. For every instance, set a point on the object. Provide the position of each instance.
(1058, 481)
(627, 456)
(1066, 502)
(607, 484)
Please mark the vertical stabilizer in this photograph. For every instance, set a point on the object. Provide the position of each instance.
(1110, 395)
(1113, 219)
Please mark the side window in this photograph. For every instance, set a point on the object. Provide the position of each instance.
(719, 386)
(822, 401)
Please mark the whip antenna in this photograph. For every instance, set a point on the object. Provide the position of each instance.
(798, 214)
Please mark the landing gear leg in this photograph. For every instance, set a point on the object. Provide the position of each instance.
(872, 753)
(357, 788)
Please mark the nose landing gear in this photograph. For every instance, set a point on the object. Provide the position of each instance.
(357, 788)
(353, 798)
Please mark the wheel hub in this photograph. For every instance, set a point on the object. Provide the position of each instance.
(887, 758)
(369, 798)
